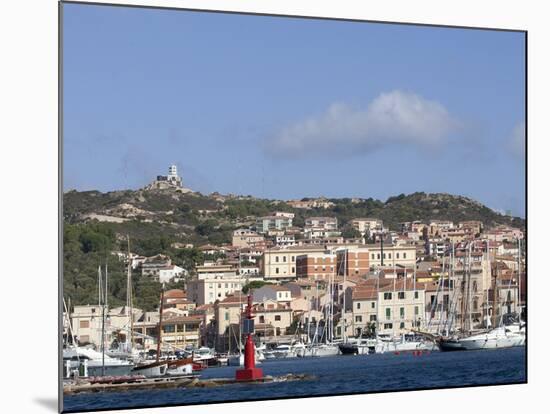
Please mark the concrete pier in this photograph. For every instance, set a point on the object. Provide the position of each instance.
(81, 385)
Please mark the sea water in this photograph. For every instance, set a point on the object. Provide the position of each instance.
(344, 374)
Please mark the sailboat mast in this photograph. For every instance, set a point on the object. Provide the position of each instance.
(240, 322)
(103, 327)
(129, 297)
(159, 340)
(519, 279)
(495, 308)
(344, 299)
(469, 287)
(99, 286)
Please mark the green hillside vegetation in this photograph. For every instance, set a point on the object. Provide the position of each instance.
(88, 246)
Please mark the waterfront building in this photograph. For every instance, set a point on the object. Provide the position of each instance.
(181, 331)
(364, 309)
(271, 318)
(401, 305)
(227, 320)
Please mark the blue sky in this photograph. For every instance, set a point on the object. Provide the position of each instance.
(290, 108)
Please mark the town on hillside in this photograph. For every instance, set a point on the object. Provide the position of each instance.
(309, 282)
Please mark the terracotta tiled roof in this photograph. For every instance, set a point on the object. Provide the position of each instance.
(362, 293)
(178, 319)
(175, 294)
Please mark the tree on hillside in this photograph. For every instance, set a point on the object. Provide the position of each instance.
(256, 284)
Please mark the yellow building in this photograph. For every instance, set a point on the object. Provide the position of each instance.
(180, 331)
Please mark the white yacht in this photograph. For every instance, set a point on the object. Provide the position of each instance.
(321, 350)
(94, 363)
(495, 338)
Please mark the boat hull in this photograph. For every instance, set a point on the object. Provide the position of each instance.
(151, 370)
(450, 346)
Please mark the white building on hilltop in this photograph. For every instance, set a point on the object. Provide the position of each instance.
(172, 180)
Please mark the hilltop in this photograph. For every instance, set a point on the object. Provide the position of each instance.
(194, 217)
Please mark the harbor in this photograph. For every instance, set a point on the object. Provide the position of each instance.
(287, 311)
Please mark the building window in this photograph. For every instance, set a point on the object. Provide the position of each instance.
(387, 296)
(404, 255)
(226, 316)
(292, 258)
(416, 294)
(416, 311)
(372, 256)
(284, 258)
(388, 313)
(276, 259)
(358, 305)
(402, 313)
(378, 256)
(373, 318)
(384, 255)
(358, 319)
(277, 270)
(388, 326)
(169, 328)
(397, 255)
(293, 270)
(372, 305)
(389, 255)
(401, 295)
(402, 325)
(84, 324)
(277, 317)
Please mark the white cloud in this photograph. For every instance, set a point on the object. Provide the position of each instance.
(392, 118)
(517, 140)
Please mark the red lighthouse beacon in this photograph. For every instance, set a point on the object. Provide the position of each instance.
(249, 372)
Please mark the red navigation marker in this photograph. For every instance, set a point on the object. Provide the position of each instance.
(249, 372)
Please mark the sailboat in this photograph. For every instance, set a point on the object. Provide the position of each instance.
(157, 368)
(496, 338)
(127, 350)
(328, 347)
(87, 361)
